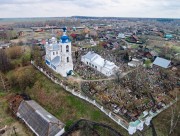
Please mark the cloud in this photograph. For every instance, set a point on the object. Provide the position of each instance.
(119, 8)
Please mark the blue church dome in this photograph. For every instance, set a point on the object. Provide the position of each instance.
(65, 39)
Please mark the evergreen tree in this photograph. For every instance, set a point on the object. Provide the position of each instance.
(126, 56)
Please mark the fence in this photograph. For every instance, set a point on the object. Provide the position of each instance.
(78, 94)
(111, 115)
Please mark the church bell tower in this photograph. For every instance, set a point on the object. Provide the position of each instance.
(66, 64)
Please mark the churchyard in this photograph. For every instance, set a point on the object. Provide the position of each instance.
(128, 96)
(134, 93)
(141, 89)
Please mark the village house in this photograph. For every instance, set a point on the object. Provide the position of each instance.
(39, 120)
(121, 35)
(97, 62)
(4, 45)
(161, 62)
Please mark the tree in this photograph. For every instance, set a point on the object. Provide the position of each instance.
(118, 76)
(14, 52)
(23, 77)
(25, 59)
(11, 34)
(76, 55)
(5, 64)
(4, 84)
(126, 57)
(167, 51)
(36, 55)
(175, 116)
(148, 63)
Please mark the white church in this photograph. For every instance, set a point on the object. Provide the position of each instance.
(97, 62)
(58, 54)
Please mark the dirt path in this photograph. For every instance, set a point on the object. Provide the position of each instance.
(17, 129)
(79, 79)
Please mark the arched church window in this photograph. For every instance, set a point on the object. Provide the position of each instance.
(67, 59)
(67, 48)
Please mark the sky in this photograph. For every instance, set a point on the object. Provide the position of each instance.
(101, 8)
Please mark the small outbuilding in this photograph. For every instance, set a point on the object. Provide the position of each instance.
(161, 62)
(135, 63)
(41, 122)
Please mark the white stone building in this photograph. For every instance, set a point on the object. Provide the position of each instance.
(58, 54)
(97, 62)
(121, 35)
(135, 63)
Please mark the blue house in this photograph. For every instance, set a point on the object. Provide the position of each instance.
(168, 36)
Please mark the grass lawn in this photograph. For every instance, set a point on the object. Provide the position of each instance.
(69, 108)
(134, 46)
(65, 106)
(7, 120)
(176, 49)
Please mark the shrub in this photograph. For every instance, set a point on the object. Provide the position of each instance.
(68, 124)
(23, 78)
(14, 52)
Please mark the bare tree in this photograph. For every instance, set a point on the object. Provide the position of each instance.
(175, 115)
(4, 61)
(4, 83)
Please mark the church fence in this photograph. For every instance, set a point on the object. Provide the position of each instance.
(111, 115)
(78, 94)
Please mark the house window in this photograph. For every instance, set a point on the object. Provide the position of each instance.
(92, 65)
(96, 67)
(67, 59)
(67, 48)
(56, 52)
(53, 53)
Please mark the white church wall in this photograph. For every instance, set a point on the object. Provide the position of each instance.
(131, 130)
(140, 126)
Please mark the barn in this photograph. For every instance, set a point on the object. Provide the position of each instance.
(41, 122)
